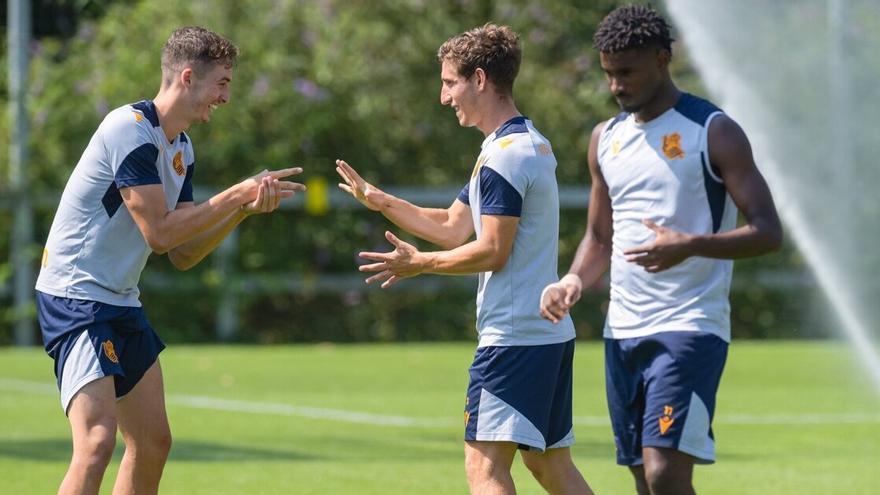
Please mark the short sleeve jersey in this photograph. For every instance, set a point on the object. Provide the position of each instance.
(515, 175)
(95, 251)
(660, 170)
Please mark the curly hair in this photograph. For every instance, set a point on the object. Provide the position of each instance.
(198, 46)
(632, 26)
(495, 49)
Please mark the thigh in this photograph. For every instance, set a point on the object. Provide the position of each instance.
(141, 413)
(681, 384)
(92, 407)
(551, 460)
(495, 454)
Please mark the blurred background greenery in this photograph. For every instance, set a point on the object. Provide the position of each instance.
(325, 79)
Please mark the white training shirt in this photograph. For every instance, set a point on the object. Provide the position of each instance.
(95, 251)
(660, 170)
(515, 175)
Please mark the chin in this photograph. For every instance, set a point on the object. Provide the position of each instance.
(630, 108)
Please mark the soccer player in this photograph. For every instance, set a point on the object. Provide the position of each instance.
(668, 175)
(131, 195)
(520, 389)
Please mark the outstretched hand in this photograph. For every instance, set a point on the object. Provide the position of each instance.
(270, 190)
(669, 248)
(391, 267)
(558, 298)
(366, 193)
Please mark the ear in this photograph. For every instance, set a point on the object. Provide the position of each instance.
(664, 56)
(186, 77)
(481, 78)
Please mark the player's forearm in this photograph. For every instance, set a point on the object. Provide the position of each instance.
(429, 224)
(473, 257)
(591, 260)
(191, 252)
(179, 226)
(753, 239)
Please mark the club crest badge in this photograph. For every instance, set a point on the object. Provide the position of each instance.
(178, 163)
(672, 146)
(110, 351)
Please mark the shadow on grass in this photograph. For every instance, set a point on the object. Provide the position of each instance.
(57, 450)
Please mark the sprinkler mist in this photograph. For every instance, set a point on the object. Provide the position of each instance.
(801, 77)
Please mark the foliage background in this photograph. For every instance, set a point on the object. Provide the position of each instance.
(317, 80)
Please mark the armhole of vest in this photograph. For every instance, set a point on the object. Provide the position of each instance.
(704, 148)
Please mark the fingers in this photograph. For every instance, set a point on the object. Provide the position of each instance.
(285, 172)
(373, 267)
(651, 225)
(347, 170)
(644, 248)
(382, 276)
(393, 239)
(391, 281)
(373, 256)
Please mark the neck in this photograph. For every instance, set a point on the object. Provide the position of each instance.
(497, 113)
(171, 116)
(667, 96)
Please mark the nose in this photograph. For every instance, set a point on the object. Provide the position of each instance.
(615, 85)
(224, 96)
(445, 98)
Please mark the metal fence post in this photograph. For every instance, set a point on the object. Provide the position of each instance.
(19, 35)
(227, 309)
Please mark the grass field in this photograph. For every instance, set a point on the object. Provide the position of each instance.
(793, 418)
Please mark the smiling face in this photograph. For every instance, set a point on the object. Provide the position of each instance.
(208, 90)
(635, 76)
(460, 93)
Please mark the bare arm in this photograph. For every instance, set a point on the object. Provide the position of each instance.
(593, 255)
(190, 253)
(730, 153)
(166, 230)
(489, 252)
(447, 228)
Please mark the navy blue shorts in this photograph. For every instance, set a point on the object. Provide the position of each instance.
(521, 394)
(90, 340)
(661, 393)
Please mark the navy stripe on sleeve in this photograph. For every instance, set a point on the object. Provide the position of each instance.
(464, 194)
(497, 196)
(716, 193)
(112, 200)
(139, 167)
(186, 192)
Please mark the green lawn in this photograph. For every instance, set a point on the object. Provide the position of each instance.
(793, 418)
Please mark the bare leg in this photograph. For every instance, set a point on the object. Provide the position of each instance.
(92, 416)
(668, 471)
(144, 426)
(638, 473)
(556, 472)
(488, 467)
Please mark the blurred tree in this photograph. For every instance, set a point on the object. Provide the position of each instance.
(317, 80)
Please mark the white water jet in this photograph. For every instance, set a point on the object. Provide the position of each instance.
(801, 77)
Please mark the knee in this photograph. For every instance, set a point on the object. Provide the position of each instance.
(162, 443)
(158, 444)
(662, 478)
(154, 447)
(479, 467)
(540, 470)
(97, 446)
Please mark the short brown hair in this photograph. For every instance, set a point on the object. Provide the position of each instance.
(198, 46)
(495, 49)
